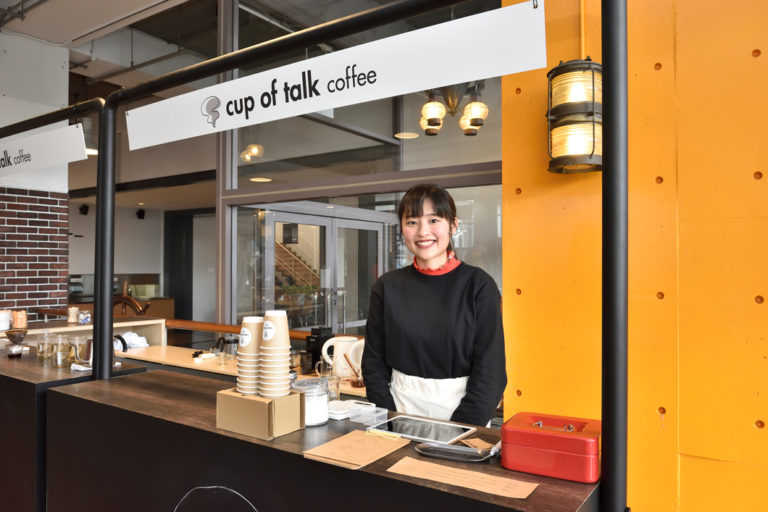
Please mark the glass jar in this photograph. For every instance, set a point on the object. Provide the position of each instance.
(315, 400)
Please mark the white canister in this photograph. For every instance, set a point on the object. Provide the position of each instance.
(5, 319)
(315, 400)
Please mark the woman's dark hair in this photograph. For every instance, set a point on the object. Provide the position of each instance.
(412, 203)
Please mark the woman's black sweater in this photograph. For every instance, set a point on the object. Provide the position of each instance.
(437, 327)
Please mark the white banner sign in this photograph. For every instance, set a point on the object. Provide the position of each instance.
(490, 44)
(41, 150)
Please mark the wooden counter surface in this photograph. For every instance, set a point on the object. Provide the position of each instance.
(164, 426)
(182, 357)
(27, 369)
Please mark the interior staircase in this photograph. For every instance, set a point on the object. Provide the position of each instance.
(294, 269)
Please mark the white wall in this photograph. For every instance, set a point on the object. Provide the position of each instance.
(204, 268)
(138, 242)
(30, 90)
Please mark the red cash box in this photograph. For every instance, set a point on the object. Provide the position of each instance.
(556, 446)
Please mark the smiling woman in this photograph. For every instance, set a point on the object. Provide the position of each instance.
(434, 337)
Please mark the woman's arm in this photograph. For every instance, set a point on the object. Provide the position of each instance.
(376, 372)
(489, 373)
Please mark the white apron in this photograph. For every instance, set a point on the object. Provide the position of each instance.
(433, 398)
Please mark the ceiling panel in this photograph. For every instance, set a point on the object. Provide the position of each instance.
(73, 22)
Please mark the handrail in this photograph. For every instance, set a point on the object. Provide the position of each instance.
(192, 325)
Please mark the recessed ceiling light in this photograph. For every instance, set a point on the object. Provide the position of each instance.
(141, 204)
(406, 135)
(261, 180)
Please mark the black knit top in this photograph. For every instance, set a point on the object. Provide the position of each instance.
(437, 327)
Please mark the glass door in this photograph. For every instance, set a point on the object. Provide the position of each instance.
(318, 266)
(359, 257)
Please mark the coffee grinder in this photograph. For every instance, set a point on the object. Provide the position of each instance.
(315, 342)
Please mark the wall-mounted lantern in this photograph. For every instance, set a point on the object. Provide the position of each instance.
(575, 117)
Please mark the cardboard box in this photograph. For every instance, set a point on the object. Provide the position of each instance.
(557, 446)
(259, 417)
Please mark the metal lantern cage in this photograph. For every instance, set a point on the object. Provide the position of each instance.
(575, 117)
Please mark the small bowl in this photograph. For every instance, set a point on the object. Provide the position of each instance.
(16, 335)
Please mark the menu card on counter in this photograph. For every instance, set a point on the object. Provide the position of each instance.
(476, 480)
(355, 449)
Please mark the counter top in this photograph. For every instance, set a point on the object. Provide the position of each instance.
(182, 357)
(28, 369)
(170, 419)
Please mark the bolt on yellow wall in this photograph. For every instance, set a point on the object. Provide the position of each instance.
(698, 226)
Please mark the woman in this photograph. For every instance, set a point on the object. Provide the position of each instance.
(434, 344)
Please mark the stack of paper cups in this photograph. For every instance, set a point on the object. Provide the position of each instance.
(248, 355)
(275, 356)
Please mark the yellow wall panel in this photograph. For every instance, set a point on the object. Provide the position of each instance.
(724, 339)
(652, 448)
(723, 98)
(717, 486)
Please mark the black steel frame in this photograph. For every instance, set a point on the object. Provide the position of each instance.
(615, 202)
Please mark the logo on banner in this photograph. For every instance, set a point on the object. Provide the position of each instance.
(210, 109)
(288, 92)
(22, 157)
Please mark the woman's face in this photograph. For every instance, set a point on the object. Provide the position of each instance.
(427, 236)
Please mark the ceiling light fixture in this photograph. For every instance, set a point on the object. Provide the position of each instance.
(406, 135)
(252, 151)
(260, 180)
(430, 130)
(474, 113)
(575, 117)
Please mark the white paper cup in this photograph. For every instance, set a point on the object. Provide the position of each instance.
(250, 335)
(271, 380)
(273, 372)
(274, 395)
(280, 351)
(275, 392)
(275, 359)
(275, 331)
(274, 367)
(276, 383)
(275, 389)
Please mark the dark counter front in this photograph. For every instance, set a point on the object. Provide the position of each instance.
(23, 386)
(150, 439)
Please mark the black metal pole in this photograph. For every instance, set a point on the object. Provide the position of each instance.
(105, 246)
(613, 487)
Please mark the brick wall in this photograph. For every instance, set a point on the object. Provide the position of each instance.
(34, 250)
